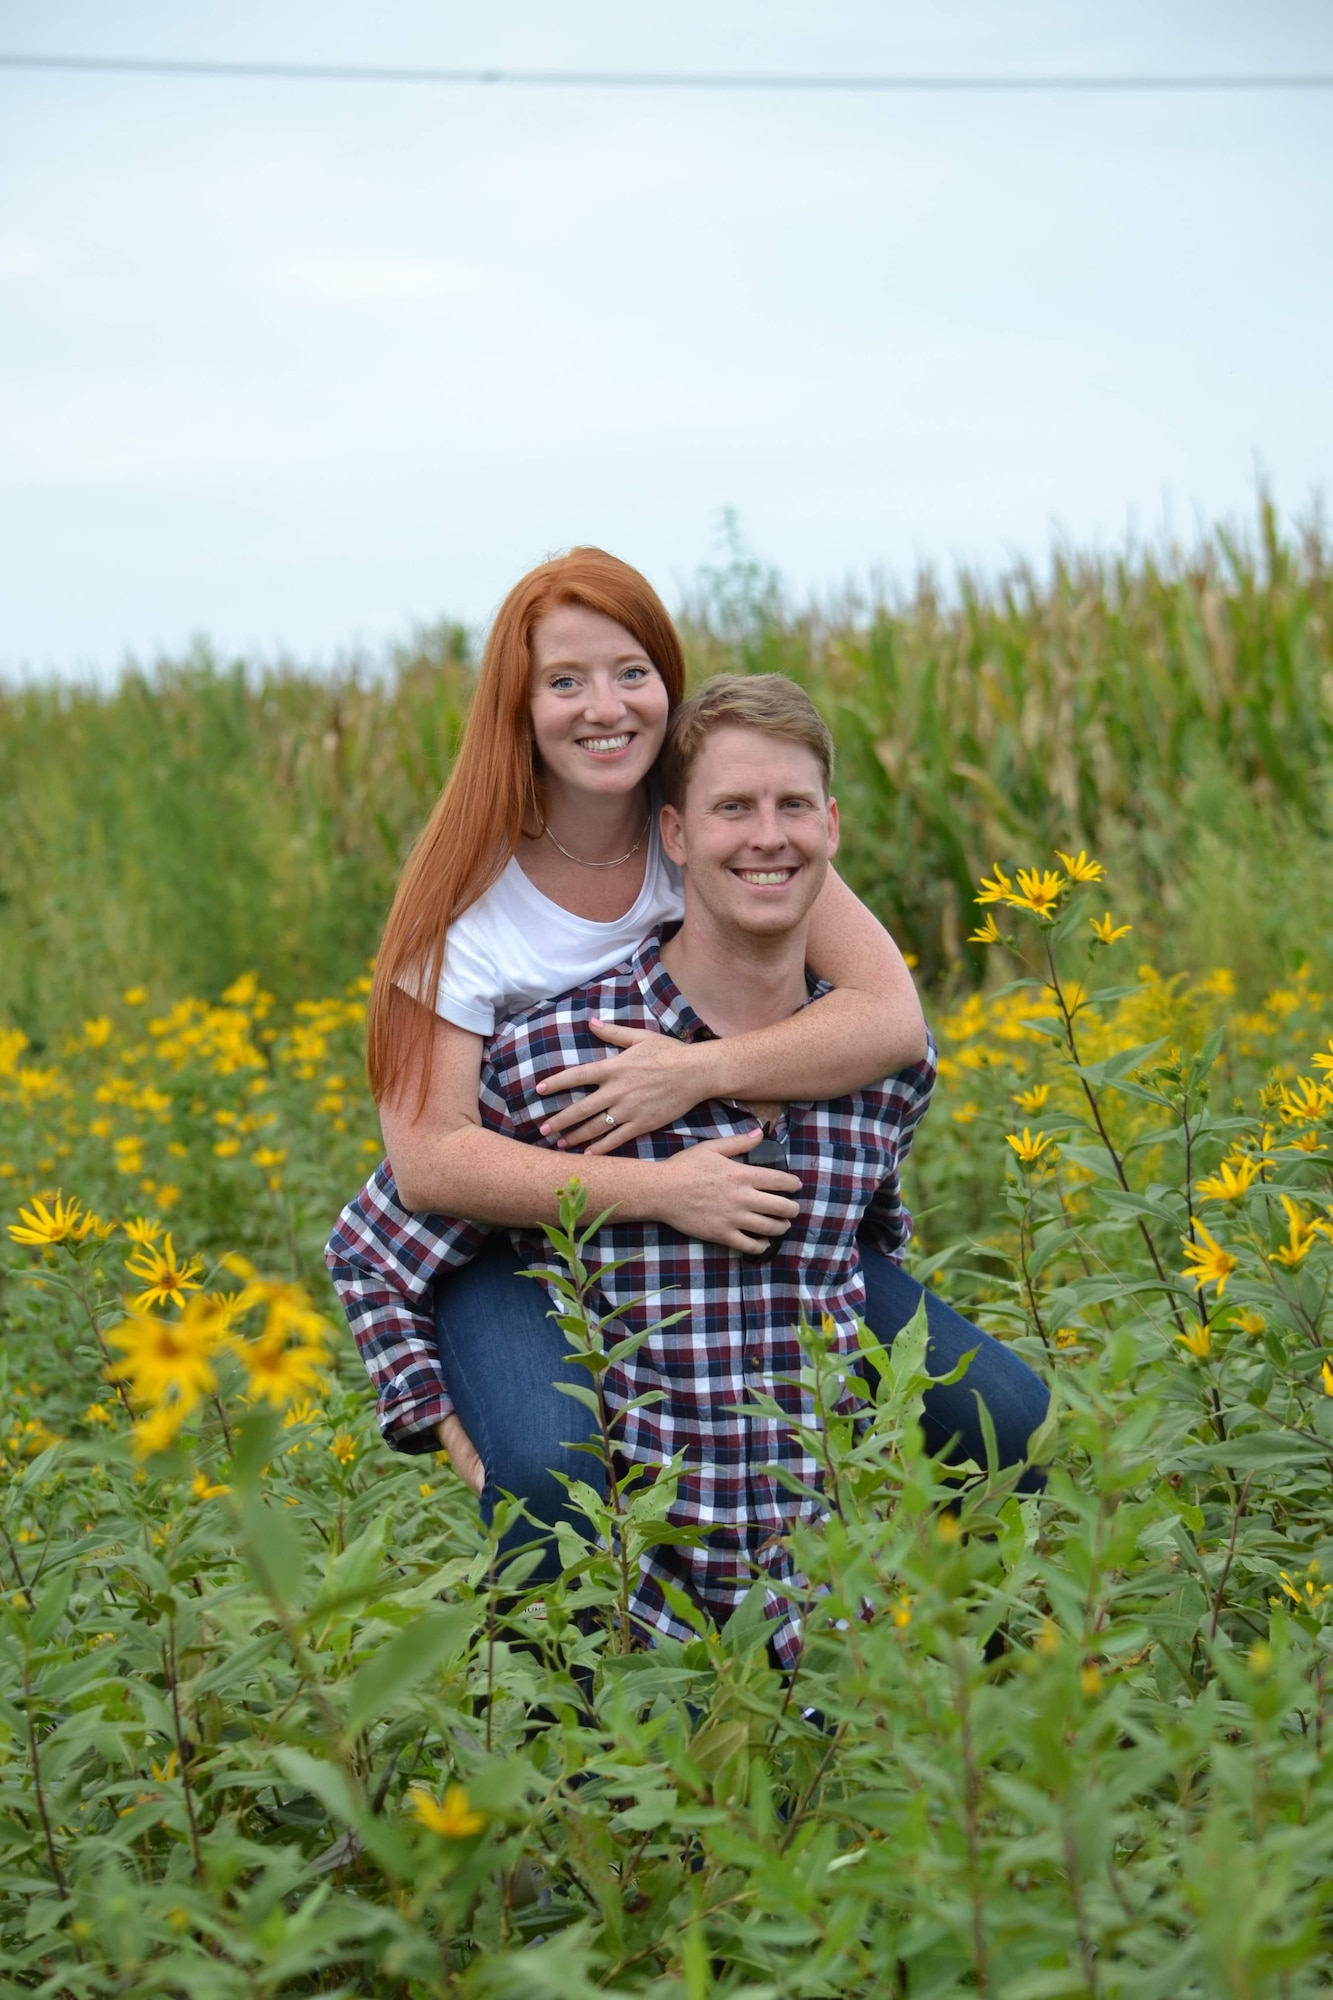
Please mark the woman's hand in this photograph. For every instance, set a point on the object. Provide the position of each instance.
(462, 1453)
(719, 1197)
(653, 1082)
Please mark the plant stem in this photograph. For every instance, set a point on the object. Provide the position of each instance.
(1104, 1135)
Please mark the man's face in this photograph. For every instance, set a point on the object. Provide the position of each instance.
(755, 834)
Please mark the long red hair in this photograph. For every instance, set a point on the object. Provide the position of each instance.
(493, 791)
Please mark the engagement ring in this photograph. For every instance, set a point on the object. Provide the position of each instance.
(610, 1117)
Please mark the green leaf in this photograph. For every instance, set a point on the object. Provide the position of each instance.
(407, 1659)
(51, 1608)
(273, 1549)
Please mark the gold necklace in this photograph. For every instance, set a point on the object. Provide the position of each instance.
(599, 864)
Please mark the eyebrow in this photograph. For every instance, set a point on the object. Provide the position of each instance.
(636, 658)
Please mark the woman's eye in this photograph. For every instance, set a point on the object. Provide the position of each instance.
(635, 674)
(561, 682)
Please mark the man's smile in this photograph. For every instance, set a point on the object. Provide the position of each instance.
(764, 878)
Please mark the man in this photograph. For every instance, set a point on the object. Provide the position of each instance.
(749, 819)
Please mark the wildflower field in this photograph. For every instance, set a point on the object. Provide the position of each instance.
(272, 1720)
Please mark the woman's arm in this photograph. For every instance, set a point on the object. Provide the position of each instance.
(868, 1027)
(446, 1162)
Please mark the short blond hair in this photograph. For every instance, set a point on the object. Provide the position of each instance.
(769, 703)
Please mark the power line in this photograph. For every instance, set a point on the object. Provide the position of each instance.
(591, 79)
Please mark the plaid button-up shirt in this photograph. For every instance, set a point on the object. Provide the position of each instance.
(738, 1336)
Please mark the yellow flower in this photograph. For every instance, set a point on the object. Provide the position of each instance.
(141, 1231)
(1324, 1060)
(304, 1412)
(1033, 1100)
(1300, 1236)
(454, 1820)
(169, 1356)
(901, 1612)
(1231, 1180)
(134, 996)
(1306, 1103)
(947, 1529)
(1090, 1678)
(1066, 1336)
(1078, 867)
(1031, 1147)
(1047, 1641)
(1198, 1340)
(989, 932)
(279, 1371)
(1249, 1321)
(1326, 1377)
(997, 891)
(226, 1149)
(269, 1156)
(1207, 1263)
(963, 1114)
(97, 1413)
(1108, 932)
(168, 1279)
(204, 1489)
(343, 1447)
(62, 1223)
(159, 1429)
(1039, 890)
(1309, 1593)
(97, 1032)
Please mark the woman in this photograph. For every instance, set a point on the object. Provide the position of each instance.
(539, 868)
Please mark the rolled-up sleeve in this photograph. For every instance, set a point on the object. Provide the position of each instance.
(384, 1262)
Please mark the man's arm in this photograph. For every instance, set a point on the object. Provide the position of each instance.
(383, 1262)
(904, 1101)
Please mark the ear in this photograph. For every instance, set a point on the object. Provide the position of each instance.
(673, 835)
(833, 831)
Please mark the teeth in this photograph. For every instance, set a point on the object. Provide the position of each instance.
(603, 742)
(763, 877)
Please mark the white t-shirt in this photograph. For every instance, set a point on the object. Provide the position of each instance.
(514, 946)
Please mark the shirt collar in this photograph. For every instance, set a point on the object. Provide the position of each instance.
(667, 1004)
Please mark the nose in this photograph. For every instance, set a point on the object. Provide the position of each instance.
(601, 700)
(766, 828)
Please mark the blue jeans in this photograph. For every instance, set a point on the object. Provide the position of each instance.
(502, 1355)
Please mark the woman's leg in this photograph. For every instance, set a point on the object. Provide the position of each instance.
(1016, 1398)
(502, 1357)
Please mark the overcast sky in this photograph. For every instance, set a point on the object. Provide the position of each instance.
(298, 366)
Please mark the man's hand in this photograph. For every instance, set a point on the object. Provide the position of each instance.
(720, 1197)
(462, 1453)
(654, 1081)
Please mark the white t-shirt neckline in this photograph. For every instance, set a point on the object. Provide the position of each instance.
(515, 946)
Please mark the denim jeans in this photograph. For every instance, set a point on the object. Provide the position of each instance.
(502, 1356)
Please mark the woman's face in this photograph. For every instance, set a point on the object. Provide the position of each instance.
(599, 705)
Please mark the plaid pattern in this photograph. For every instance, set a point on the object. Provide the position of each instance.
(738, 1335)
